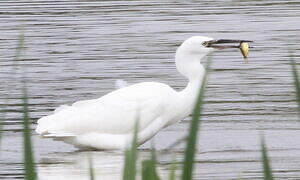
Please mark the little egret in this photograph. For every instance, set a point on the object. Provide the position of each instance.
(108, 122)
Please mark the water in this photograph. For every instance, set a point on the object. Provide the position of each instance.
(75, 50)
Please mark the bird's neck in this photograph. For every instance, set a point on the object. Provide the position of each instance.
(194, 71)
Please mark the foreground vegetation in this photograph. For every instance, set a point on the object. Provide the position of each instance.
(148, 166)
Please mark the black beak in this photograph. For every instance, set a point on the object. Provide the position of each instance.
(220, 43)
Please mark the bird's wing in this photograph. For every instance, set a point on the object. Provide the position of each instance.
(114, 113)
(77, 104)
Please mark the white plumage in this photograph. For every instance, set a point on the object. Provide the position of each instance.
(120, 83)
(108, 122)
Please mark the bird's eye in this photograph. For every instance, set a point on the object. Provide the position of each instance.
(205, 43)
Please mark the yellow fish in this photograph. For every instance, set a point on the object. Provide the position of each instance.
(244, 47)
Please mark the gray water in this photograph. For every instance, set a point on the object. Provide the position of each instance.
(76, 50)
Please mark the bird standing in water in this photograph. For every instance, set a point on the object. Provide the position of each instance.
(108, 122)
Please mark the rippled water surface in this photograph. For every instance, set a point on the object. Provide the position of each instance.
(76, 50)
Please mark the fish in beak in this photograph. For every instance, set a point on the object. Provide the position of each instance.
(221, 44)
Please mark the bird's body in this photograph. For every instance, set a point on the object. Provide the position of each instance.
(108, 122)
(113, 116)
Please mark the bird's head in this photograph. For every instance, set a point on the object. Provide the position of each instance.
(200, 46)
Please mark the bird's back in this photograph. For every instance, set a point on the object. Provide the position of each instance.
(114, 113)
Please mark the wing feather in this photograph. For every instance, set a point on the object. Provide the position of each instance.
(114, 113)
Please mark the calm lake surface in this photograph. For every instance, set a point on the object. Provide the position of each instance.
(76, 50)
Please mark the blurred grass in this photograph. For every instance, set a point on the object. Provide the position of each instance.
(19, 48)
(91, 169)
(30, 173)
(190, 150)
(172, 170)
(18, 53)
(265, 160)
(296, 81)
(129, 171)
(149, 168)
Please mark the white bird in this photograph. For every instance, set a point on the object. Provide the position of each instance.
(120, 83)
(108, 122)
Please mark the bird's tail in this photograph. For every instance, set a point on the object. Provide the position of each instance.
(42, 127)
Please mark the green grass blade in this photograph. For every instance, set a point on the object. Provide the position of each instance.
(30, 173)
(127, 165)
(149, 168)
(266, 163)
(91, 169)
(19, 49)
(129, 170)
(20, 46)
(190, 150)
(296, 82)
(18, 52)
(172, 172)
(153, 159)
